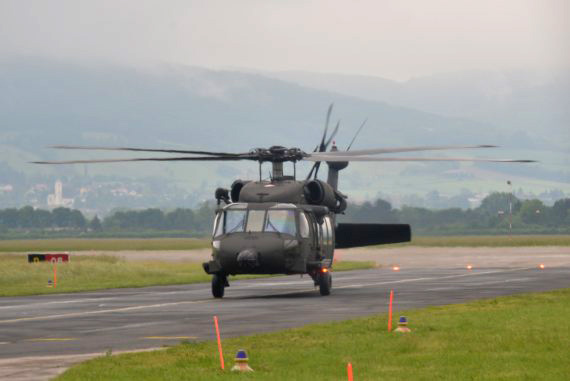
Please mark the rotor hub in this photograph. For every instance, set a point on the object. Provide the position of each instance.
(278, 154)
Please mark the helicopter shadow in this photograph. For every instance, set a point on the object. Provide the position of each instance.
(289, 295)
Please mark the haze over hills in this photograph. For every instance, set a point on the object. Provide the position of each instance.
(520, 102)
(49, 102)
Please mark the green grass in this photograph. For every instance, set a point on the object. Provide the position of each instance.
(141, 244)
(523, 337)
(487, 241)
(79, 244)
(84, 273)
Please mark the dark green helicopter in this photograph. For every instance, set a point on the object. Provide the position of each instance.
(284, 225)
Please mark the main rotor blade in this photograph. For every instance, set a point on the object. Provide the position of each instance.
(376, 151)
(329, 140)
(98, 148)
(317, 165)
(355, 135)
(194, 158)
(322, 147)
(327, 157)
(311, 171)
(329, 112)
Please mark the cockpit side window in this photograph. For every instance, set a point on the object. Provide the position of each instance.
(218, 226)
(234, 221)
(281, 221)
(304, 230)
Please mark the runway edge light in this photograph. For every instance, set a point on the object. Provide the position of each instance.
(403, 325)
(541, 266)
(241, 362)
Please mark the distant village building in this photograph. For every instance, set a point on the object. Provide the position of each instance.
(56, 200)
(475, 201)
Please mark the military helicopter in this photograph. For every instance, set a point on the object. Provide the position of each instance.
(283, 225)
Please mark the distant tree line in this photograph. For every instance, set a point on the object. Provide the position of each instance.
(496, 212)
(30, 218)
(197, 221)
(492, 216)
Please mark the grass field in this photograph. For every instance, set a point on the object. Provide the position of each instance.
(523, 337)
(141, 244)
(489, 241)
(84, 273)
(103, 244)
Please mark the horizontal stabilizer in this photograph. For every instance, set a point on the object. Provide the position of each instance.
(355, 235)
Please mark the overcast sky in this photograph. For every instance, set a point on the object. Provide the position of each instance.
(392, 39)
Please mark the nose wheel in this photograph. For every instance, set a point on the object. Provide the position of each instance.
(219, 283)
(325, 283)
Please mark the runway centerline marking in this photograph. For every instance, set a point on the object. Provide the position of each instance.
(140, 307)
(170, 337)
(433, 278)
(52, 339)
(405, 280)
(58, 302)
(122, 309)
(137, 325)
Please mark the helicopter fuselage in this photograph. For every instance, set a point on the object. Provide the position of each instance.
(271, 238)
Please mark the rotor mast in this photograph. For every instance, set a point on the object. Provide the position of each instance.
(277, 155)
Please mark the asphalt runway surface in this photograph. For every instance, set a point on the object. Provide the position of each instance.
(141, 318)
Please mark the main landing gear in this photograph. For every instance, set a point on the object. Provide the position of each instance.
(219, 283)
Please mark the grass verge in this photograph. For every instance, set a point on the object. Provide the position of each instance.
(142, 244)
(85, 273)
(103, 244)
(487, 241)
(523, 337)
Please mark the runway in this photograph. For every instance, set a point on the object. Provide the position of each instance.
(139, 318)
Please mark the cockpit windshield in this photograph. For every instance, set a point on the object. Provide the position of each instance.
(281, 221)
(255, 219)
(237, 220)
(234, 221)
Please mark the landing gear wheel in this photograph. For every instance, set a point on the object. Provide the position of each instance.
(325, 283)
(219, 283)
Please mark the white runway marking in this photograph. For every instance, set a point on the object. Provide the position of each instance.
(433, 278)
(123, 309)
(268, 284)
(498, 281)
(140, 307)
(123, 327)
(58, 302)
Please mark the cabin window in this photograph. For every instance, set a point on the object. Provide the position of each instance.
(218, 227)
(281, 221)
(328, 227)
(255, 220)
(234, 221)
(303, 226)
(326, 232)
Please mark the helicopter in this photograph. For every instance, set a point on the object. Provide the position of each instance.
(285, 225)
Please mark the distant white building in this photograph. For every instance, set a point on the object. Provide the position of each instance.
(475, 201)
(56, 199)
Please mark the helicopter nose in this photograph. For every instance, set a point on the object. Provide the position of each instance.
(248, 259)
